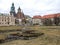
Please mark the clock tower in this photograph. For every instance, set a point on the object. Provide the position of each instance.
(12, 11)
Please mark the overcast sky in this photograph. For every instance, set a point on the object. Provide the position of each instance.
(31, 7)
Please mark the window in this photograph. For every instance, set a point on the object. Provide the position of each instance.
(0, 23)
(8, 22)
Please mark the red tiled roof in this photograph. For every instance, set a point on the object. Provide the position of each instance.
(51, 15)
(37, 17)
(58, 15)
(46, 16)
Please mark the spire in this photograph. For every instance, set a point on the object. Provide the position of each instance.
(20, 14)
(12, 4)
(19, 9)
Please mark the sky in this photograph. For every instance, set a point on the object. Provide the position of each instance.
(31, 7)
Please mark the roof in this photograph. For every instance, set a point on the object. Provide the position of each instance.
(4, 14)
(46, 16)
(37, 17)
(58, 15)
(51, 15)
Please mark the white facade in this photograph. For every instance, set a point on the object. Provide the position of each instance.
(7, 20)
(37, 21)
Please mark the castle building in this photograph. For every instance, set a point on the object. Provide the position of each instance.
(20, 14)
(7, 20)
(49, 19)
(37, 20)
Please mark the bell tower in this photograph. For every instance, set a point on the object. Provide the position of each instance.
(20, 14)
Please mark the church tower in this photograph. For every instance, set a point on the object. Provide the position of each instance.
(12, 11)
(20, 14)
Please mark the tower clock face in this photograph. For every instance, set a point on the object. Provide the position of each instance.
(12, 9)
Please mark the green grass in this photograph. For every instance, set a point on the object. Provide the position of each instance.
(51, 36)
(10, 27)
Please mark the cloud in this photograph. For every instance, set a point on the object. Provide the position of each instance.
(32, 7)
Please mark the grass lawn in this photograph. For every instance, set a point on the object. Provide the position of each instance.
(51, 36)
(10, 27)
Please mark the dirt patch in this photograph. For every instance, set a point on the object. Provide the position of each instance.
(22, 35)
